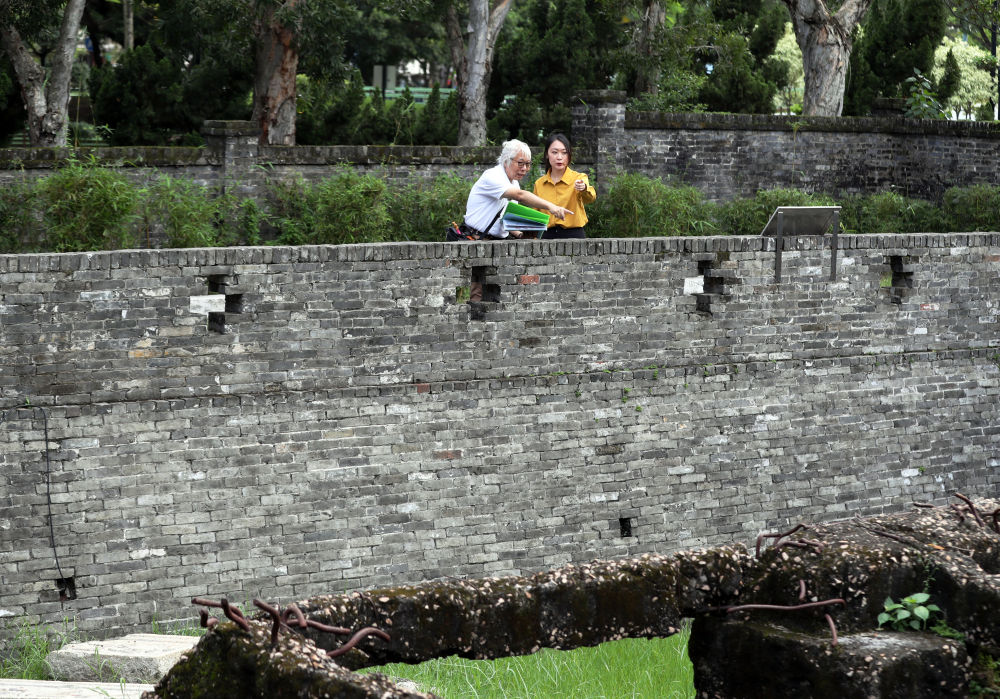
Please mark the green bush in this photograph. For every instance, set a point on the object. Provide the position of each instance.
(88, 207)
(635, 206)
(423, 210)
(749, 216)
(973, 208)
(20, 222)
(889, 212)
(186, 210)
(344, 208)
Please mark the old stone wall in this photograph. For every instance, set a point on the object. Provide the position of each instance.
(724, 155)
(283, 422)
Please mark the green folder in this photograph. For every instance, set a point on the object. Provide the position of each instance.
(524, 212)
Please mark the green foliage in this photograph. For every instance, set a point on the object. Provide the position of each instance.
(656, 667)
(972, 208)
(186, 210)
(743, 76)
(143, 101)
(437, 122)
(951, 77)
(25, 657)
(547, 52)
(909, 613)
(975, 85)
(897, 36)
(344, 208)
(20, 228)
(749, 216)
(678, 92)
(87, 207)
(340, 113)
(440, 202)
(637, 206)
(920, 100)
(889, 212)
(12, 112)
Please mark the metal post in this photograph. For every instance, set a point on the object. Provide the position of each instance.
(778, 245)
(833, 252)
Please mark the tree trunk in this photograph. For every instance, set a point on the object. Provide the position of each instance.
(128, 17)
(825, 41)
(647, 74)
(472, 54)
(277, 63)
(46, 96)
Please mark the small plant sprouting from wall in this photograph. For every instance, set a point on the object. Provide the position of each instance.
(910, 613)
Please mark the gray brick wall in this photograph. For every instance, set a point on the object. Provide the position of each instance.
(284, 422)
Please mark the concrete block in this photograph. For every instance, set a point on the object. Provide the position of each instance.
(39, 689)
(139, 657)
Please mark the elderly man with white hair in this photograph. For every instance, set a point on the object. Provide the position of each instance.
(497, 186)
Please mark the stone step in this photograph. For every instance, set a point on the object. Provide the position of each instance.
(138, 657)
(40, 689)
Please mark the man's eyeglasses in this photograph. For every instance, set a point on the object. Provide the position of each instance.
(523, 163)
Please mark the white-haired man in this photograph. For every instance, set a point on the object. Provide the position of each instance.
(499, 185)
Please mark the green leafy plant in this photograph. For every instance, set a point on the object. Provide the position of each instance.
(911, 612)
(88, 207)
(921, 103)
(635, 206)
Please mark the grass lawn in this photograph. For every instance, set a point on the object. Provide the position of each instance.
(657, 667)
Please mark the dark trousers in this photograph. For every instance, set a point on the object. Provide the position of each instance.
(558, 232)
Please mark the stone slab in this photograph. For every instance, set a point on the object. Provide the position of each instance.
(139, 657)
(38, 689)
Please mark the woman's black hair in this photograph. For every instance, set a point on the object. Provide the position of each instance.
(564, 139)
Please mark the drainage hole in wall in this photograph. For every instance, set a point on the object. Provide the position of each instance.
(625, 526)
(67, 588)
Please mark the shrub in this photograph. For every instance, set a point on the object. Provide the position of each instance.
(973, 208)
(889, 212)
(186, 211)
(636, 206)
(423, 210)
(19, 219)
(749, 216)
(344, 208)
(88, 207)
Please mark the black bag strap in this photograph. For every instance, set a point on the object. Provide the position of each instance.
(499, 214)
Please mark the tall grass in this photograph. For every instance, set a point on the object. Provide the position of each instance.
(656, 667)
(87, 206)
(24, 656)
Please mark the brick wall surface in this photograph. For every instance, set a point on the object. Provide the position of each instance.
(284, 422)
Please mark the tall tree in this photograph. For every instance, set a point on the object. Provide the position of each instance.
(471, 40)
(825, 39)
(897, 36)
(277, 63)
(44, 86)
(980, 20)
(543, 78)
(744, 75)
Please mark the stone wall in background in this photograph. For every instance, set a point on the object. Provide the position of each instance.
(282, 422)
(724, 155)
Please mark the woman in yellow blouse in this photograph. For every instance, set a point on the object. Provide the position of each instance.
(564, 187)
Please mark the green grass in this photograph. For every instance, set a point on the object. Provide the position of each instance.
(656, 667)
(23, 657)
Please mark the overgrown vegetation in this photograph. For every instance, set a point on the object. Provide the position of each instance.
(85, 206)
(656, 667)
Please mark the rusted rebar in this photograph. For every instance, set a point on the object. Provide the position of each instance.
(972, 508)
(356, 638)
(778, 536)
(784, 608)
(232, 613)
(833, 627)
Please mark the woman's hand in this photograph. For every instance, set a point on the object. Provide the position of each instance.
(580, 185)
